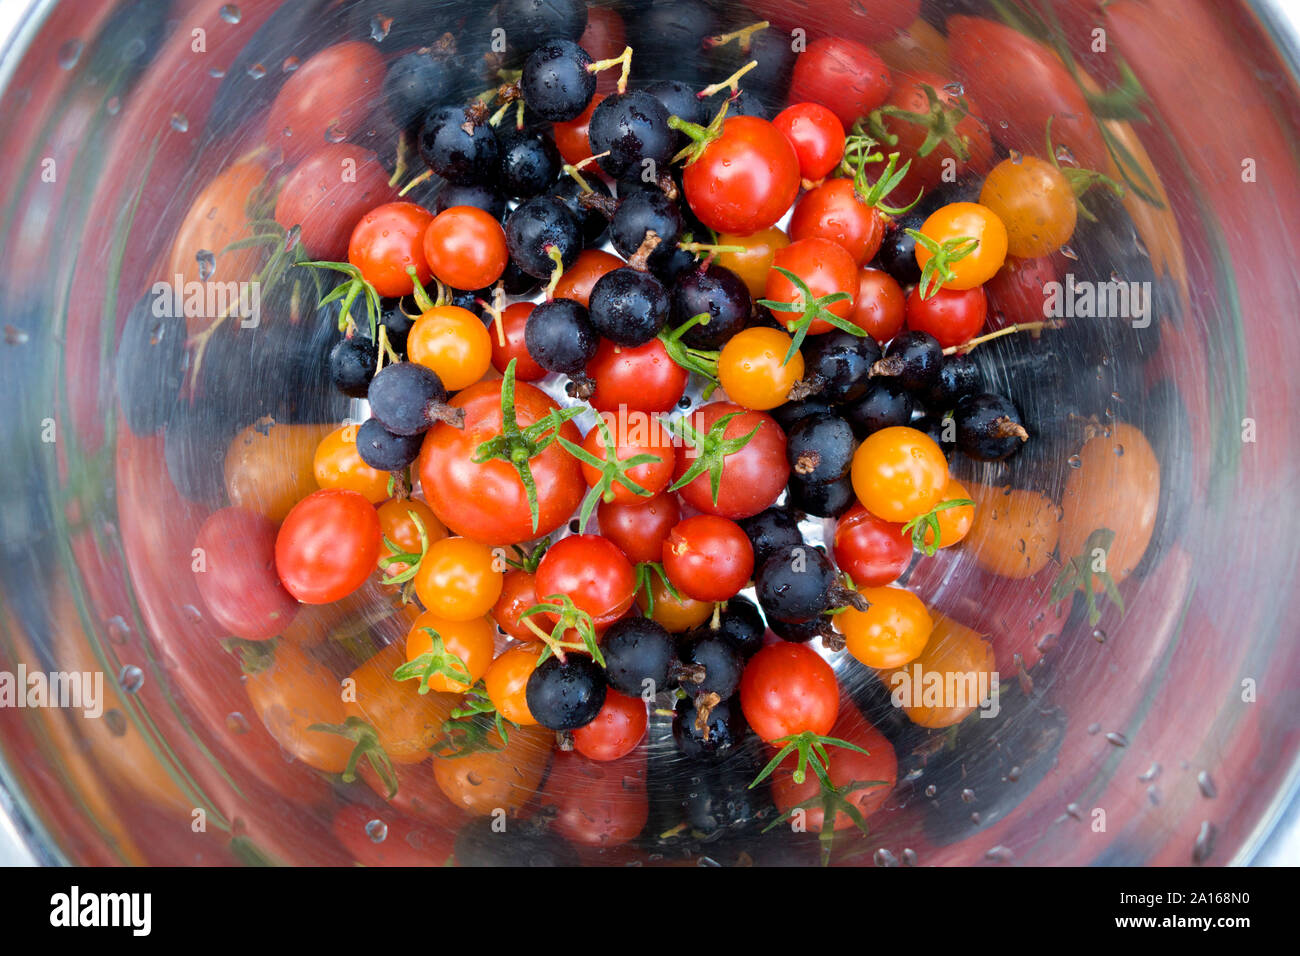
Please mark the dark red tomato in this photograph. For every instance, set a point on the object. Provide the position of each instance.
(327, 193)
(843, 75)
(640, 379)
(1020, 82)
(788, 689)
(604, 38)
(745, 179)
(953, 317)
(514, 318)
(571, 137)
(327, 99)
(870, 551)
(880, 306)
(942, 162)
(1016, 292)
(487, 501)
(752, 478)
(328, 545)
(386, 241)
(844, 768)
(826, 268)
(592, 572)
(465, 248)
(388, 838)
(633, 438)
(708, 558)
(641, 527)
(870, 22)
(518, 594)
(579, 278)
(833, 211)
(616, 731)
(817, 136)
(597, 803)
(234, 568)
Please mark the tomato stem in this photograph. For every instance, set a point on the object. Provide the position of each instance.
(730, 83)
(1005, 330)
(612, 470)
(712, 451)
(809, 309)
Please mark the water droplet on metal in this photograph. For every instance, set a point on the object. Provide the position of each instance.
(236, 723)
(119, 632)
(884, 858)
(909, 857)
(975, 818)
(377, 830)
(954, 89)
(1204, 847)
(1063, 155)
(931, 790)
(708, 861)
(180, 123)
(1153, 771)
(1099, 635)
(968, 795)
(1119, 451)
(1153, 795)
(231, 13)
(290, 64)
(70, 53)
(1069, 253)
(379, 27)
(207, 264)
(1000, 854)
(1094, 729)
(131, 678)
(1013, 774)
(116, 722)
(193, 613)
(256, 71)
(335, 133)
(1118, 740)
(292, 237)
(1206, 783)
(1073, 810)
(1074, 461)
(216, 72)
(113, 106)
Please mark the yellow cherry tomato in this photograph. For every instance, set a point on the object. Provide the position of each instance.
(755, 262)
(962, 264)
(471, 643)
(677, 616)
(899, 473)
(406, 722)
(1034, 201)
(338, 464)
(751, 369)
(891, 632)
(453, 342)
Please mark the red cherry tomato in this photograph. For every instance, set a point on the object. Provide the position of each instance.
(514, 318)
(592, 572)
(788, 689)
(817, 136)
(870, 551)
(328, 98)
(644, 438)
(465, 248)
(518, 594)
(616, 730)
(825, 267)
(708, 558)
(328, 545)
(640, 527)
(843, 75)
(879, 306)
(752, 478)
(745, 179)
(571, 137)
(640, 379)
(952, 317)
(386, 241)
(833, 211)
(579, 278)
(237, 575)
(327, 193)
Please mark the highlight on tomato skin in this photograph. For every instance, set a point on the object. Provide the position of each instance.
(686, 403)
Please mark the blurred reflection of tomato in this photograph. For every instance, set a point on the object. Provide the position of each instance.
(269, 466)
(965, 661)
(389, 838)
(503, 776)
(599, 804)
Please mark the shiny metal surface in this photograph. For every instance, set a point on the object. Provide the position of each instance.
(94, 537)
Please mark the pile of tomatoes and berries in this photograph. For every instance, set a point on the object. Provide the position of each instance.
(678, 389)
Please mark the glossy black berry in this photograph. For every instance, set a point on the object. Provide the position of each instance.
(479, 195)
(828, 499)
(959, 376)
(791, 412)
(837, 365)
(742, 626)
(795, 585)
(628, 307)
(397, 316)
(679, 100)
(743, 103)
(540, 228)
(150, 366)
(591, 220)
(530, 163)
(772, 531)
(716, 292)
(406, 398)
(989, 427)
(556, 82)
(721, 661)
(633, 128)
(820, 449)
(379, 448)
(722, 728)
(457, 144)
(801, 632)
(912, 359)
(353, 361)
(565, 695)
(637, 650)
(559, 336)
(643, 212)
(413, 82)
(885, 404)
(530, 23)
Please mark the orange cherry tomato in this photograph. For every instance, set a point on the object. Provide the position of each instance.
(1014, 531)
(453, 342)
(506, 681)
(751, 369)
(891, 632)
(966, 663)
(954, 523)
(952, 225)
(676, 615)
(503, 775)
(755, 261)
(338, 464)
(406, 722)
(294, 691)
(465, 248)
(459, 579)
(1034, 200)
(470, 642)
(899, 473)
